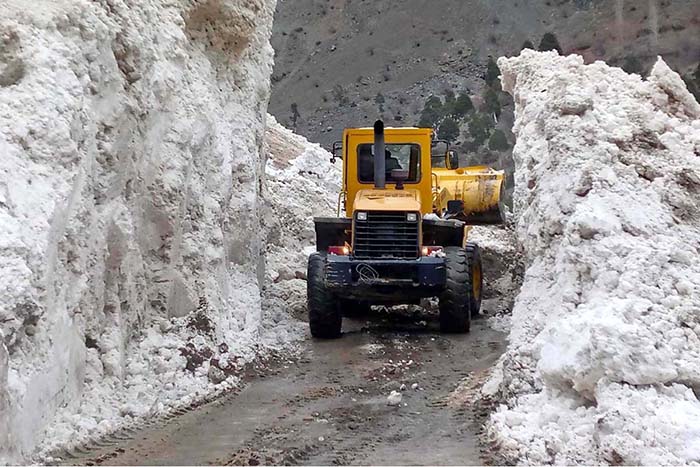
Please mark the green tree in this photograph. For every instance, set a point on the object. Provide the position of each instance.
(632, 65)
(527, 45)
(696, 88)
(692, 81)
(449, 105)
(491, 103)
(549, 42)
(463, 105)
(432, 112)
(449, 130)
(480, 126)
(492, 72)
(498, 141)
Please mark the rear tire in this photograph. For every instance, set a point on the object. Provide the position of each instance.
(476, 277)
(455, 315)
(325, 320)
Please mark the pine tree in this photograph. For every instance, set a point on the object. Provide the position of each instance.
(463, 105)
(449, 106)
(692, 82)
(549, 42)
(492, 72)
(432, 112)
(632, 65)
(498, 141)
(491, 103)
(449, 130)
(480, 128)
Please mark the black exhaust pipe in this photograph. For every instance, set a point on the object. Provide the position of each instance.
(379, 161)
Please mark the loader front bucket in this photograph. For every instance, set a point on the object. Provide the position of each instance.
(481, 192)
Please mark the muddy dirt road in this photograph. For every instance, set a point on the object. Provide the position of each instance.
(330, 405)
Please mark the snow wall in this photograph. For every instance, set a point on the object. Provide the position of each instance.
(130, 183)
(603, 364)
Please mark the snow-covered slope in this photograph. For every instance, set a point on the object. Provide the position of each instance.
(131, 166)
(604, 356)
(301, 183)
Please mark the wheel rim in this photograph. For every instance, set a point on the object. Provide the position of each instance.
(476, 281)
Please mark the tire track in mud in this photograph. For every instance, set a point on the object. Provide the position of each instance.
(330, 406)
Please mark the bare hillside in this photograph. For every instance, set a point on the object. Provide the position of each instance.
(345, 62)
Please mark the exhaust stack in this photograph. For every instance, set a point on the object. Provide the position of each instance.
(379, 161)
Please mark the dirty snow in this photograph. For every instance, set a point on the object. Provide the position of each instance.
(501, 262)
(301, 183)
(603, 364)
(133, 221)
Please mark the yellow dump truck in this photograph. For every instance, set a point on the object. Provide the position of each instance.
(408, 211)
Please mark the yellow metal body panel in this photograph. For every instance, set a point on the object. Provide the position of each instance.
(478, 187)
(353, 137)
(388, 200)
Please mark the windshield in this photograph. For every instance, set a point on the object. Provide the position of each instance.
(397, 156)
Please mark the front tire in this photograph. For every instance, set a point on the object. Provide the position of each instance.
(325, 320)
(455, 313)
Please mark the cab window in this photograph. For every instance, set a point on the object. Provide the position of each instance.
(397, 156)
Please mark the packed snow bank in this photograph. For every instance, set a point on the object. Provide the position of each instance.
(130, 135)
(502, 268)
(604, 357)
(301, 183)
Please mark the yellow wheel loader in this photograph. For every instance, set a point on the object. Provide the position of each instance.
(408, 211)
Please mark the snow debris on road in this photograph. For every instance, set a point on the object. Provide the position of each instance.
(501, 262)
(603, 364)
(301, 183)
(132, 212)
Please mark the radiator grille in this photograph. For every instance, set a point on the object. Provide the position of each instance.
(385, 234)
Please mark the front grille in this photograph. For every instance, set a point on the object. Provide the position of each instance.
(385, 235)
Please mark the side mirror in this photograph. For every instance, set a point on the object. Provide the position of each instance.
(452, 160)
(336, 149)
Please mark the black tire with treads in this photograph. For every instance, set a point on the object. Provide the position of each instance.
(455, 313)
(325, 320)
(474, 261)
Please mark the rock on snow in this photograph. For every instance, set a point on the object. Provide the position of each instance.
(394, 398)
(132, 218)
(604, 357)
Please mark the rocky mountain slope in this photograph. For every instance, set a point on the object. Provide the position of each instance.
(346, 62)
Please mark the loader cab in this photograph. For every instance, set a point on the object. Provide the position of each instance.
(407, 166)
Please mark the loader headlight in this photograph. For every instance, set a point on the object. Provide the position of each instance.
(361, 216)
(411, 217)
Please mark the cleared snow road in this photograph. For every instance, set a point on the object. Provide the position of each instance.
(330, 405)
